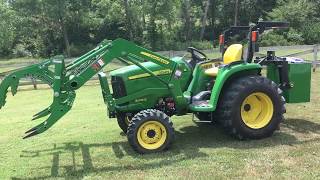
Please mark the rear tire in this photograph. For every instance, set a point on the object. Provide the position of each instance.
(251, 107)
(150, 131)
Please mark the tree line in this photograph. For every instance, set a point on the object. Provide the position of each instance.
(72, 27)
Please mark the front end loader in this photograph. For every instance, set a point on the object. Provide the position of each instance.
(153, 88)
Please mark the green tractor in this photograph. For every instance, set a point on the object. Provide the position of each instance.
(153, 88)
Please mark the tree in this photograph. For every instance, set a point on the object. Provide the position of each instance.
(204, 19)
(187, 19)
(236, 11)
(128, 18)
(61, 21)
(8, 23)
(297, 12)
(302, 21)
(72, 27)
(47, 24)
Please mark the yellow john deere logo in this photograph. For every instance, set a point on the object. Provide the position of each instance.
(141, 100)
(207, 65)
(160, 72)
(163, 61)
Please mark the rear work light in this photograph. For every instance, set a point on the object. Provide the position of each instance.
(221, 39)
(254, 36)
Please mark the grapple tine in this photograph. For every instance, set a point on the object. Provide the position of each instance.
(33, 129)
(33, 133)
(42, 113)
(53, 118)
(30, 130)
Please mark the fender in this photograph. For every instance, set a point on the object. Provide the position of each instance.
(226, 75)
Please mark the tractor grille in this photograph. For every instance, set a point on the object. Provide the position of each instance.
(119, 90)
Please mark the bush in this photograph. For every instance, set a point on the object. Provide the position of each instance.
(202, 44)
(20, 50)
(182, 46)
(311, 33)
(274, 39)
(80, 49)
(295, 37)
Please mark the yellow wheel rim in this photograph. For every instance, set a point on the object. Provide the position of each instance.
(257, 110)
(152, 135)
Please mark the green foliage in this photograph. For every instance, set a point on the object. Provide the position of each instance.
(274, 39)
(21, 51)
(8, 21)
(78, 50)
(202, 44)
(303, 16)
(282, 38)
(173, 45)
(296, 12)
(49, 27)
(295, 37)
(311, 33)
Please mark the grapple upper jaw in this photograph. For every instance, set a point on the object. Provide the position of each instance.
(12, 80)
(63, 98)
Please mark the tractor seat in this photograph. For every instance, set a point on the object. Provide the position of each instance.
(232, 54)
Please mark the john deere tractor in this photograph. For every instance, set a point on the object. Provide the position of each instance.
(152, 89)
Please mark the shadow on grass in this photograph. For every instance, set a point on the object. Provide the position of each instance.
(302, 126)
(188, 142)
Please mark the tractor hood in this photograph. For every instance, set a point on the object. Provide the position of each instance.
(134, 72)
(132, 79)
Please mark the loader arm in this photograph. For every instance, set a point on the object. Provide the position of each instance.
(80, 71)
(66, 79)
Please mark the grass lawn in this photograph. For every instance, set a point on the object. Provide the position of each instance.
(86, 144)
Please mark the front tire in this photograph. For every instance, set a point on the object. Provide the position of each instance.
(123, 121)
(150, 131)
(251, 107)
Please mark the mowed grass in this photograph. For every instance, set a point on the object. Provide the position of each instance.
(86, 144)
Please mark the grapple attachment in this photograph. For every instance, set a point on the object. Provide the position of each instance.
(65, 80)
(62, 100)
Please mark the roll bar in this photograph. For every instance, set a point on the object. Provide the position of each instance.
(253, 37)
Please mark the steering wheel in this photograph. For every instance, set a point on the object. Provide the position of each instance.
(196, 55)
